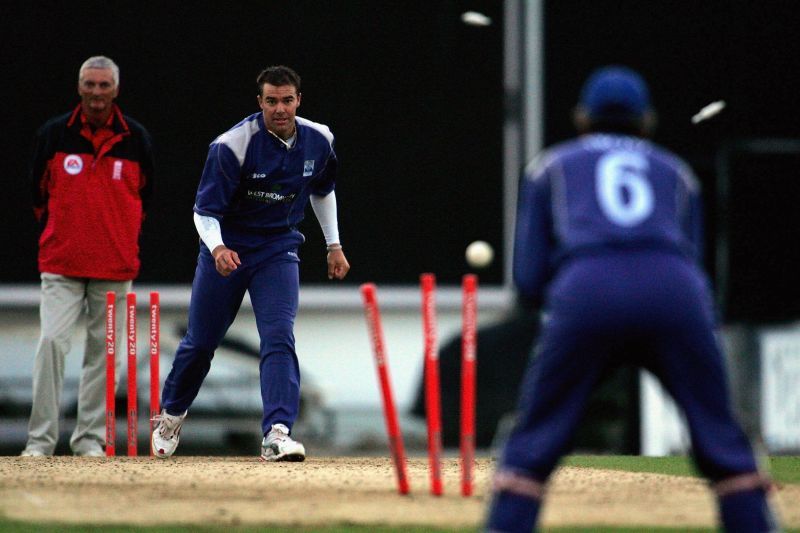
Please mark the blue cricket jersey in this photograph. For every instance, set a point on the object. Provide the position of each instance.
(598, 193)
(253, 183)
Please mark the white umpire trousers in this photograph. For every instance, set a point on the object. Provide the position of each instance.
(64, 300)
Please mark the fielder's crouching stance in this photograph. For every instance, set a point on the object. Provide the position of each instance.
(609, 236)
(257, 181)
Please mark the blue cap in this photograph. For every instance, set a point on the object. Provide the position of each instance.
(615, 93)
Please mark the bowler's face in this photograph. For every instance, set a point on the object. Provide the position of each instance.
(97, 90)
(279, 105)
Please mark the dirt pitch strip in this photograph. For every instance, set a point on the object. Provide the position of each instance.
(330, 490)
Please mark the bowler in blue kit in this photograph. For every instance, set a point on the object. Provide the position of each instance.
(258, 179)
(609, 239)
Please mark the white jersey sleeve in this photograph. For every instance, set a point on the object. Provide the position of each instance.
(325, 210)
(209, 230)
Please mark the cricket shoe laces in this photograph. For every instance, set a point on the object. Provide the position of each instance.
(279, 446)
(166, 434)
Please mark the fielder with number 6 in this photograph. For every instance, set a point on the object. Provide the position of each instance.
(609, 238)
(258, 179)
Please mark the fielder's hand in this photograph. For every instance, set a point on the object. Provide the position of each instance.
(225, 259)
(338, 267)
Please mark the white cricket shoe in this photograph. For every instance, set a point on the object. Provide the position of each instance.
(166, 434)
(279, 446)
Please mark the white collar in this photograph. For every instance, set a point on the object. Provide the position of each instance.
(288, 142)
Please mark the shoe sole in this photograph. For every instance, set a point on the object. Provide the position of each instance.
(287, 458)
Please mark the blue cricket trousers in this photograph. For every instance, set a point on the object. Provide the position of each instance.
(648, 309)
(270, 273)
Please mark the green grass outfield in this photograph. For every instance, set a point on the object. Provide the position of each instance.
(783, 469)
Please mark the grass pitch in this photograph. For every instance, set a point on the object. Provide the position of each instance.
(19, 527)
(783, 469)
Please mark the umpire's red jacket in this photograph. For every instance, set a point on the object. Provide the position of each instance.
(90, 193)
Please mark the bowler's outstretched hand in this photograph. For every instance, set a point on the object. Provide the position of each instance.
(225, 259)
(338, 267)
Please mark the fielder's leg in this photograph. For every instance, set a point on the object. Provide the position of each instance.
(274, 293)
(213, 306)
(563, 372)
(692, 370)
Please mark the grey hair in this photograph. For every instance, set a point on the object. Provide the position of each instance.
(101, 62)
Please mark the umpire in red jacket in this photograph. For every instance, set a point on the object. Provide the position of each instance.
(92, 177)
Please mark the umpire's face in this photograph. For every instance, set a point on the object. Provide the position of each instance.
(97, 89)
(279, 104)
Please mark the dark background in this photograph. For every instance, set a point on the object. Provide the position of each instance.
(694, 53)
(413, 96)
(415, 99)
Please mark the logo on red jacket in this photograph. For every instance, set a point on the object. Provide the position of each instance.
(117, 175)
(73, 164)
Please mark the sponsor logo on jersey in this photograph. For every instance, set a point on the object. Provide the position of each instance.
(308, 167)
(258, 176)
(269, 197)
(73, 164)
(117, 174)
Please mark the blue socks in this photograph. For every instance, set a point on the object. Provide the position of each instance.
(747, 512)
(512, 513)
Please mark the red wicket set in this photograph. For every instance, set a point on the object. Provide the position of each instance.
(432, 386)
(132, 410)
